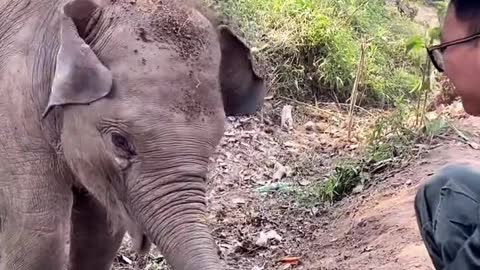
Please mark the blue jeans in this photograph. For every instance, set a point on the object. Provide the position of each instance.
(447, 210)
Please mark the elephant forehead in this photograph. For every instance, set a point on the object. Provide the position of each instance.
(190, 96)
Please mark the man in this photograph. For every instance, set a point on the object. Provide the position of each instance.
(448, 205)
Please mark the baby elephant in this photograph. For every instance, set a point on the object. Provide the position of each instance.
(110, 111)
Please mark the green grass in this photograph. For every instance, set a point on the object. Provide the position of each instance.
(310, 48)
(341, 182)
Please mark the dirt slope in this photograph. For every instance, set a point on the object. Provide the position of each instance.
(381, 231)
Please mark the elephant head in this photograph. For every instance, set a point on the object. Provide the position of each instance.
(141, 90)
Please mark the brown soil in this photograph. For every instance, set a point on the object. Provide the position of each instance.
(380, 232)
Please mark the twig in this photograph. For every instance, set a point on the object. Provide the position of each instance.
(460, 134)
(347, 106)
(353, 97)
(308, 105)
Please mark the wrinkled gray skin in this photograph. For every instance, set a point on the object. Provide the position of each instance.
(109, 116)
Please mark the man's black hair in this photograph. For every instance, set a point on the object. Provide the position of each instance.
(468, 11)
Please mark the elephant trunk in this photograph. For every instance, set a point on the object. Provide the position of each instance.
(173, 214)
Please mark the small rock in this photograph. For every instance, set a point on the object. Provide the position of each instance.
(262, 240)
(280, 171)
(270, 163)
(309, 126)
(358, 189)
(321, 127)
(409, 182)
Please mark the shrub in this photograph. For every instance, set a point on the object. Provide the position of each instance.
(310, 48)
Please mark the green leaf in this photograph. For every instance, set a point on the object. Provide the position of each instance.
(417, 87)
(434, 33)
(415, 43)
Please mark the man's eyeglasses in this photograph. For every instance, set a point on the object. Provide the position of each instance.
(436, 52)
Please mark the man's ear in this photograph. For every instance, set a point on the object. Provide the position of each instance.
(242, 89)
(80, 77)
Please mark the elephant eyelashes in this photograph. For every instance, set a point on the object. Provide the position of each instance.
(122, 143)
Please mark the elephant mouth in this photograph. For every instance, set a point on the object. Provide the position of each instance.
(141, 243)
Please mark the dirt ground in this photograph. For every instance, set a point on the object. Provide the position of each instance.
(259, 225)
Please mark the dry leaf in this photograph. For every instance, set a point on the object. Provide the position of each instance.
(238, 201)
(229, 134)
(290, 260)
(304, 182)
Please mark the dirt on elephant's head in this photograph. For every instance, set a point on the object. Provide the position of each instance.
(174, 23)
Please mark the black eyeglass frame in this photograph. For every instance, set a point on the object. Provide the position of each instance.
(443, 46)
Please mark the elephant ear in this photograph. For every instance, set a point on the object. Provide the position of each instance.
(80, 77)
(242, 89)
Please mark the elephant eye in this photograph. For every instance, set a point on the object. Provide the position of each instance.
(122, 143)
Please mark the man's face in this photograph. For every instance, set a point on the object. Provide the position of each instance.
(462, 62)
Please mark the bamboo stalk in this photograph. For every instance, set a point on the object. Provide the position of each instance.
(353, 96)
